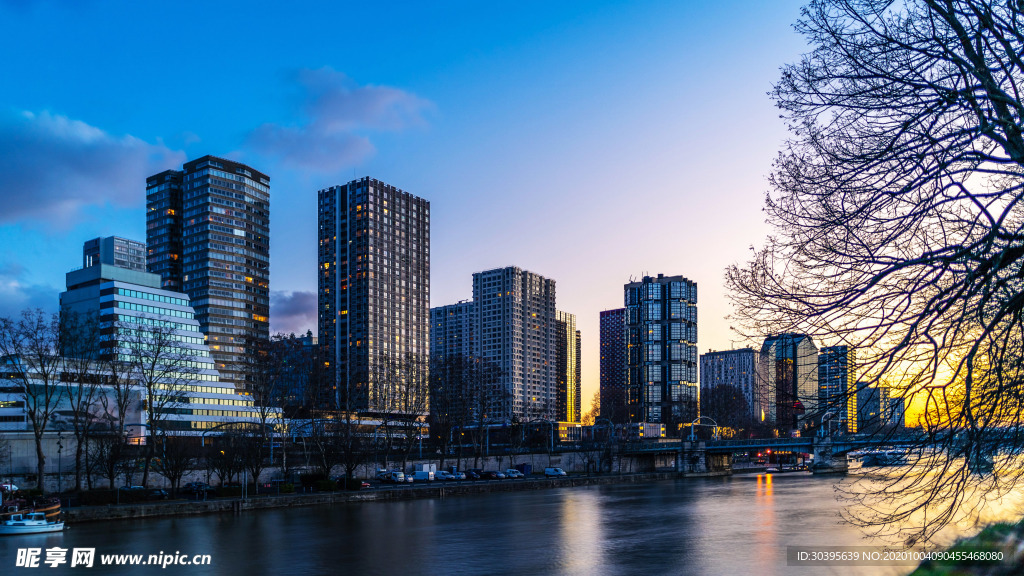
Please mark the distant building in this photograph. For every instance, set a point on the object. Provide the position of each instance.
(451, 330)
(115, 251)
(373, 287)
(568, 369)
(614, 405)
(871, 405)
(127, 304)
(208, 231)
(896, 415)
(837, 378)
(790, 364)
(516, 330)
(740, 369)
(661, 325)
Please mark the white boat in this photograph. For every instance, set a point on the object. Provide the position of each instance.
(33, 523)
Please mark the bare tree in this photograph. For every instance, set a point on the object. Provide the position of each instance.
(590, 416)
(899, 230)
(165, 369)
(31, 351)
(80, 345)
(179, 455)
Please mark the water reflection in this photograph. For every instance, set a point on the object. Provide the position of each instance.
(738, 525)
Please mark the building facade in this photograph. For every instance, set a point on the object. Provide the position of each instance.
(115, 251)
(740, 369)
(451, 330)
(567, 362)
(137, 317)
(790, 364)
(614, 404)
(516, 331)
(661, 327)
(209, 237)
(837, 380)
(373, 287)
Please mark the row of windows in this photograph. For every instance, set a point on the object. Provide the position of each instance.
(154, 297)
(153, 309)
(155, 322)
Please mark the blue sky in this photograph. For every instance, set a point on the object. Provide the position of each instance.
(585, 141)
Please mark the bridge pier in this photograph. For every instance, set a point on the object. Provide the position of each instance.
(826, 461)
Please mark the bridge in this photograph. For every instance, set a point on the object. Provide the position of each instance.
(700, 457)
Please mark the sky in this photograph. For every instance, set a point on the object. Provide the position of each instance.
(590, 142)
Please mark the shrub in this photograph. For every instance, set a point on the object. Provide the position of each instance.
(288, 489)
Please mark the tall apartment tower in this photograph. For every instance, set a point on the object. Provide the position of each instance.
(614, 405)
(451, 330)
(115, 251)
(569, 405)
(208, 231)
(790, 363)
(374, 284)
(740, 369)
(837, 381)
(516, 331)
(661, 327)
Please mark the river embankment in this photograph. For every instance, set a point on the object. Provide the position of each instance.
(449, 489)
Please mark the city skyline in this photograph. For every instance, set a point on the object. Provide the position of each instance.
(520, 109)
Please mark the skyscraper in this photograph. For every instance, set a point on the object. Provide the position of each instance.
(661, 325)
(209, 237)
(613, 366)
(567, 362)
(374, 284)
(451, 330)
(516, 331)
(740, 369)
(837, 379)
(790, 363)
(114, 251)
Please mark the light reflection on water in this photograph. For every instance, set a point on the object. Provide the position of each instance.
(737, 525)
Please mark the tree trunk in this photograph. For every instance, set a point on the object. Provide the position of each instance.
(40, 462)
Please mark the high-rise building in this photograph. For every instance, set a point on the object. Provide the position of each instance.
(135, 314)
(451, 330)
(614, 405)
(740, 369)
(516, 332)
(114, 251)
(661, 325)
(209, 237)
(569, 405)
(374, 285)
(790, 363)
(837, 379)
(872, 404)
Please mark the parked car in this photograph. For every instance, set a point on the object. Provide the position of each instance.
(474, 474)
(197, 488)
(392, 477)
(158, 494)
(492, 475)
(443, 475)
(554, 473)
(513, 473)
(422, 476)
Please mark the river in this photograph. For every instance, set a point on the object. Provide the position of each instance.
(736, 525)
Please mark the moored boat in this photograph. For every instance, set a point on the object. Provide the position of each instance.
(33, 523)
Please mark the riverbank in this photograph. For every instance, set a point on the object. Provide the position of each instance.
(76, 515)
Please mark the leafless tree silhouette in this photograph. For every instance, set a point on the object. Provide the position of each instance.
(899, 230)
